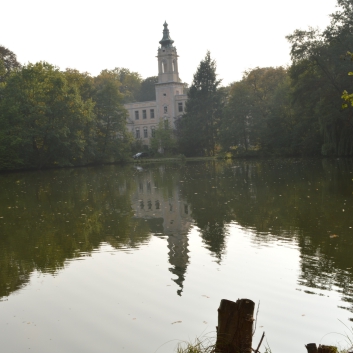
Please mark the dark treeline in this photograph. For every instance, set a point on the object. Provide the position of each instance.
(295, 110)
(54, 118)
(59, 118)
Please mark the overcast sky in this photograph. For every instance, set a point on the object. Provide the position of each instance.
(95, 35)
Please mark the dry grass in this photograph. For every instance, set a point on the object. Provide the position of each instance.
(205, 345)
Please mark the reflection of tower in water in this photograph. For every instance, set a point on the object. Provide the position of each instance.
(167, 214)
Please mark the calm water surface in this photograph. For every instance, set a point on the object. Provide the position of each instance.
(137, 258)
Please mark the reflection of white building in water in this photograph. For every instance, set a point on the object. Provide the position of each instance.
(167, 214)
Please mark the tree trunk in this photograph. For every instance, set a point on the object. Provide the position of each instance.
(235, 321)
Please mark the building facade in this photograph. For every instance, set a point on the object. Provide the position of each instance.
(144, 117)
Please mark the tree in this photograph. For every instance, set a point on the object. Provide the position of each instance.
(130, 83)
(42, 119)
(8, 62)
(112, 137)
(148, 89)
(236, 125)
(318, 74)
(248, 114)
(163, 139)
(198, 127)
(348, 97)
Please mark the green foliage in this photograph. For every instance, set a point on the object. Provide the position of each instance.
(198, 127)
(163, 140)
(42, 118)
(248, 119)
(348, 97)
(112, 139)
(147, 89)
(296, 111)
(8, 63)
(51, 118)
(130, 83)
(319, 75)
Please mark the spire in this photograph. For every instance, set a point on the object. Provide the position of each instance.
(166, 40)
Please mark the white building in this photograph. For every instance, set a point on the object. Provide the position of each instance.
(144, 117)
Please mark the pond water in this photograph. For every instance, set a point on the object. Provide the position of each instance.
(137, 258)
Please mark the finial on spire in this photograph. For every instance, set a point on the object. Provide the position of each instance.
(166, 40)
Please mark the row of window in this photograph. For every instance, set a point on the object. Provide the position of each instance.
(145, 132)
(144, 112)
(157, 206)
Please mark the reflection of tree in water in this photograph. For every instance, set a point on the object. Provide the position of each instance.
(55, 216)
(208, 203)
(305, 202)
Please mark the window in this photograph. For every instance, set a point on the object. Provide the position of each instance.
(165, 110)
(145, 132)
(137, 115)
(152, 113)
(177, 93)
(153, 131)
(137, 133)
(180, 107)
(173, 66)
(144, 114)
(165, 94)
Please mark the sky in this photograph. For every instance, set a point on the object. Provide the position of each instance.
(96, 35)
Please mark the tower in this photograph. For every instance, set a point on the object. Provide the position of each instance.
(167, 59)
(145, 117)
(169, 89)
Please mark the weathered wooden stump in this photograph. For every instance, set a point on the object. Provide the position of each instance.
(327, 349)
(235, 324)
(311, 348)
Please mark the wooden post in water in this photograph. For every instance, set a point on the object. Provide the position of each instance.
(311, 348)
(235, 322)
(327, 349)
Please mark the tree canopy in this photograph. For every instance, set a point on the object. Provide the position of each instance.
(198, 127)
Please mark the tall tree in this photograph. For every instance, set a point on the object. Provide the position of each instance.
(163, 138)
(8, 62)
(112, 138)
(198, 127)
(248, 113)
(148, 89)
(319, 74)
